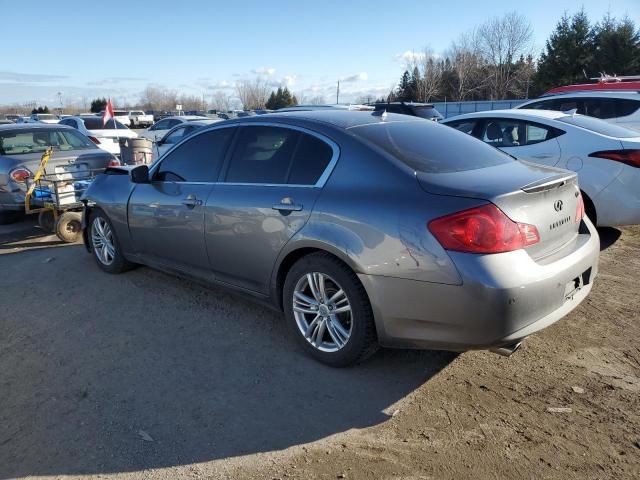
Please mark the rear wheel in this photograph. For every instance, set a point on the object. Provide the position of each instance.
(329, 311)
(69, 227)
(105, 246)
(590, 209)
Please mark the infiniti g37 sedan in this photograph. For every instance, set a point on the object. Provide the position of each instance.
(365, 228)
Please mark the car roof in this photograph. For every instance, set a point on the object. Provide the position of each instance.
(185, 117)
(633, 95)
(336, 117)
(28, 126)
(513, 113)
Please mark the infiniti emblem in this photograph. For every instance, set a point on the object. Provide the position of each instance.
(558, 205)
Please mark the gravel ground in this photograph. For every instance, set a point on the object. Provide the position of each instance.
(144, 375)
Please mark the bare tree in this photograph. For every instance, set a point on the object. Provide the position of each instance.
(427, 78)
(253, 93)
(502, 40)
(466, 65)
(220, 101)
(158, 98)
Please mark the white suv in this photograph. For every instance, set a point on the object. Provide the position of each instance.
(621, 108)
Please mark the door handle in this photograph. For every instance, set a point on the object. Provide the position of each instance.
(191, 201)
(543, 155)
(287, 205)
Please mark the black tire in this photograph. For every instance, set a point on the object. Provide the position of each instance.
(590, 209)
(47, 221)
(10, 216)
(119, 264)
(69, 227)
(362, 341)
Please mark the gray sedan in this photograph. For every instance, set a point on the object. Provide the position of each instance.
(22, 146)
(364, 228)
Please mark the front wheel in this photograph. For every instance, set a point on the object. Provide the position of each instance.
(329, 311)
(105, 246)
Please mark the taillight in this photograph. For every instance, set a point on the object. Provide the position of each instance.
(483, 229)
(580, 209)
(20, 174)
(628, 157)
(94, 140)
(114, 162)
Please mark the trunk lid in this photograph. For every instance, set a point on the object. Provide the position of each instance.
(546, 197)
(76, 163)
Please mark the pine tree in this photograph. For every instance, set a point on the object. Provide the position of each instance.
(568, 54)
(617, 47)
(414, 84)
(404, 88)
(271, 103)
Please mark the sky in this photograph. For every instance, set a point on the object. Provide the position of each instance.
(115, 48)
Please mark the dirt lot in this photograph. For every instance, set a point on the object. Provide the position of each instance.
(147, 376)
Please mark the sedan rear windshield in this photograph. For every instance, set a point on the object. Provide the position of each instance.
(96, 124)
(425, 146)
(599, 126)
(19, 142)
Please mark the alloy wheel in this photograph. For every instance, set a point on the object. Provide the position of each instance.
(102, 241)
(322, 312)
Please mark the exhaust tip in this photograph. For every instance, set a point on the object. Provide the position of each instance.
(507, 350)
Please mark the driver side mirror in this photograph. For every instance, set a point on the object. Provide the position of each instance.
(140, 174)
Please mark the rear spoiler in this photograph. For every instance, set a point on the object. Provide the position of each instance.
(549, 183)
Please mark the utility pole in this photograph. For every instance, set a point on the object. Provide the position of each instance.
(338, 93)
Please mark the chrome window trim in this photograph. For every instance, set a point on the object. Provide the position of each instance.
(322, 180)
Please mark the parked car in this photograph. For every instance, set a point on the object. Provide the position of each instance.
(12, 117)
(22, 146)
(24, 120)
(605, 156)
(137, 118)
(107, 137)
(365, 229)
(621, 108)
(44, 118)
(177, 134)
(422, 110)
(159, 129)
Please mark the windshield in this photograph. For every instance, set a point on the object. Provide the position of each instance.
(18, 142)
(428, 147)
(429, 113)
(599, 126)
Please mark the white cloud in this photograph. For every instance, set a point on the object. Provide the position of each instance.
(410, 56)
(362, 76)
(264, 71)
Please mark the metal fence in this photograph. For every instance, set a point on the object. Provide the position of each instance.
(450, 109)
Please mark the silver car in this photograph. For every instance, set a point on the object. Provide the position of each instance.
(365, 228)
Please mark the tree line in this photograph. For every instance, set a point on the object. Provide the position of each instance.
(496, 61)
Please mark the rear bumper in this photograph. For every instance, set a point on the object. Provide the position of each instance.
(503, 299)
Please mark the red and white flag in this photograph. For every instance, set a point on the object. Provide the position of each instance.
(108, 113)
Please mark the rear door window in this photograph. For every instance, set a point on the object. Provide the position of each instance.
(599, 107)
(428, 147)
(311, 159)
(626, 107)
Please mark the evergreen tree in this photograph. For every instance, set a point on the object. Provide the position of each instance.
(617, 47)
(271, 103)
(568, 54)
(414, 84)
(404, 88)
(98, 104)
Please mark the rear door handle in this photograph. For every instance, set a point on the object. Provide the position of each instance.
(543, 155)
(287, 205)
(191, 201)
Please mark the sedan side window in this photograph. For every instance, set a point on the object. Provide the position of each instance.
(262, 155)
(465, 126)
(501, 132)
(161, 125)
(175, 136)
(600, 107)
(310, 160)
(197, 160)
